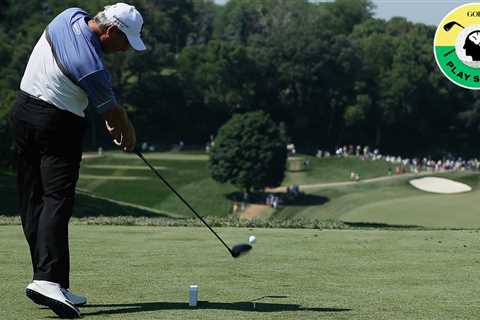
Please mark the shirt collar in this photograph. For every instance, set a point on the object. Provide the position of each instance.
(90, 35)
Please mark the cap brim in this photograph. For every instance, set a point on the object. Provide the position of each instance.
(136, 43)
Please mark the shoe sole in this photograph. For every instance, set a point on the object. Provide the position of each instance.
(39, 302)
(61, 309)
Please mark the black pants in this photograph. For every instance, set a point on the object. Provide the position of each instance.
(48, 145)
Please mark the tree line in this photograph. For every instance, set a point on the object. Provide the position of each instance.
(330, 72)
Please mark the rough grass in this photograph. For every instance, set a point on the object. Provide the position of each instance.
(229, 221)
(145, 272)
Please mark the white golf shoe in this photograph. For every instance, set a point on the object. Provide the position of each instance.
(76, 299)
(50, 294)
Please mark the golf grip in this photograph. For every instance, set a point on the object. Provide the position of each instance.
(180, 197)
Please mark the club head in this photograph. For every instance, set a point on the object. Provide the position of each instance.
(448, 26)
(240, 249)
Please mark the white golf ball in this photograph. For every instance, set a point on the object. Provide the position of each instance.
(252, 239)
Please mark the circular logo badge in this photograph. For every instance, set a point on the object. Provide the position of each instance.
(457, 46)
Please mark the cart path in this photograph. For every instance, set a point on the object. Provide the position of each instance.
(347, 183)
(253, 211)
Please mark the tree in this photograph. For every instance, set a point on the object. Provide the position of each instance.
(249, 152)
(219, 73)
(349, 13)
(203, 22)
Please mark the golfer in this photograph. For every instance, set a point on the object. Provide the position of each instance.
(64, 75)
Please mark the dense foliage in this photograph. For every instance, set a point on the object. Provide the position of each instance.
(329, 71)
(249, 152)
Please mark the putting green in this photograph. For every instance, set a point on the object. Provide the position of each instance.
(452, 211)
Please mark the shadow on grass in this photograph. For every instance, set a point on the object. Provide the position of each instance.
(381, 225)
(301, 199)
(263, 297)
(89, 206)
(249, 306)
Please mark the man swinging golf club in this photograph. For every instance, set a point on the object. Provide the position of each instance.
(64, 74)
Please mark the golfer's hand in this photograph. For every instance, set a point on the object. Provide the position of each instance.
(129, 138)
(120, 128)
(115, 132)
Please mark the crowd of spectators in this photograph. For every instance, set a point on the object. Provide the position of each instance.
(400, 164)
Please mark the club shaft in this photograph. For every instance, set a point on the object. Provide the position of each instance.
(181, 198)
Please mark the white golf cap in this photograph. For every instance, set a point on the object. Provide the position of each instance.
(129, 21)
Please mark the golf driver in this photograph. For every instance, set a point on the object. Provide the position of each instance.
(447, 26)
(236, 250)
(450, 25)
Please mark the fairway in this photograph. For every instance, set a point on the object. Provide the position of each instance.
(125, 178)
(115, 174)
(391, 202)
(437, 211)
(145, 272)
(335, 169)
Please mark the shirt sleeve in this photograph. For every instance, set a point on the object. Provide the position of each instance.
(98, 86)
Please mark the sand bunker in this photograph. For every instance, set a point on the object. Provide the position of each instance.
(439, 185)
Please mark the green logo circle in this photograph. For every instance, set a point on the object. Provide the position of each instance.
(457, 46)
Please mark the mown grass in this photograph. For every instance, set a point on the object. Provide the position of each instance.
(335, 169)
(189, 177)
(393, 202)
(188, 174)
(120, 185)
(145, 272)
(86, 205)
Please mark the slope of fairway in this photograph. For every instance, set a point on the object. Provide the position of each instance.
(334, 202)
(119, 177)
(452, 211)
(335, 169)
(143, 273)
(392, 202)
(86, 205)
